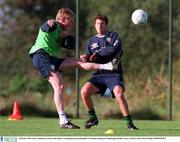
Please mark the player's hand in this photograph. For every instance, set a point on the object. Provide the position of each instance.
(93, 57)
(84, 57)
(51, 22)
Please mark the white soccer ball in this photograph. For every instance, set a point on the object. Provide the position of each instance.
(139, 16)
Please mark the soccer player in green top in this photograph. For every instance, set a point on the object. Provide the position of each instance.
(53, 35)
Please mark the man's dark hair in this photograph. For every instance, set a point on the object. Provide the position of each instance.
(101, 17)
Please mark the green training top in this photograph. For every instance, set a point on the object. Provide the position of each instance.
(49, 41)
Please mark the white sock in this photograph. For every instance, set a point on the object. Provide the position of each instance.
(107, 66)
(62, 118)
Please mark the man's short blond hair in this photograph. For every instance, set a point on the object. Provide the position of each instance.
(63, 12)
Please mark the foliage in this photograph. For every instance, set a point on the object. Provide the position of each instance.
(17, 84)
(38, 85)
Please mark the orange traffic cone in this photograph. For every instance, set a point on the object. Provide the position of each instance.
(16, 112)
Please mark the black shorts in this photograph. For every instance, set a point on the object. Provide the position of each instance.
(102, 82)
(45, 63)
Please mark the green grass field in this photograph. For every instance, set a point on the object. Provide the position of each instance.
(31, 126)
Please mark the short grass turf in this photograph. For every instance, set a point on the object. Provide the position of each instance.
(33, 126)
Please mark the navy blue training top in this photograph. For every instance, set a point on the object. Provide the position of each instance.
(107, 47)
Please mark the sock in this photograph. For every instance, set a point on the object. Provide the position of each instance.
(107, 66)
(92, 114)
(128, 119)
(62, 118)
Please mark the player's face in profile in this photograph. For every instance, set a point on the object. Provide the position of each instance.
(66, 21)
(100, 26)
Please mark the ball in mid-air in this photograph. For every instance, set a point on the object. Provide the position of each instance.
(139, 16)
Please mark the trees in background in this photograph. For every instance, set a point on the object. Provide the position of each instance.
(145, 46)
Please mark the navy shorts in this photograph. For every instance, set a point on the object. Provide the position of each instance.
(107, 81)
(45, 63)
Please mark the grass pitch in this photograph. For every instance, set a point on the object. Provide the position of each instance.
(32, 126)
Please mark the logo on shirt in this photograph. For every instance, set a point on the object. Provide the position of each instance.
(94, 45)
(109, 40)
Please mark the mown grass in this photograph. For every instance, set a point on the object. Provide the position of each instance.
(37, 126)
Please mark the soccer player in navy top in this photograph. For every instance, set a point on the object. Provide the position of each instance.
(102, 48)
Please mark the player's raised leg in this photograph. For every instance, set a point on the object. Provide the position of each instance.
(76, 63)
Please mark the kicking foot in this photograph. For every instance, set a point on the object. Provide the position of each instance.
(116, 65)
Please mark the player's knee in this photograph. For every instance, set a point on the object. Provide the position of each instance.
(59, 89)
(118, 92)
(119, 95)
(84, 92)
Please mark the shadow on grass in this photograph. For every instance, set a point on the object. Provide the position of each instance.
(147, 114)
(144, 114)
(31, 110)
